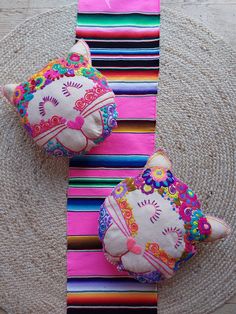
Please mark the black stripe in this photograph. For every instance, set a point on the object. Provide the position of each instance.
(126, 63)
(133, 71)
(82, 245)
(103, 279)
(112, 310)
(123, 44)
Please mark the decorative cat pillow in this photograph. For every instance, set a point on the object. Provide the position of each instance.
(67, 107)
(149, 224)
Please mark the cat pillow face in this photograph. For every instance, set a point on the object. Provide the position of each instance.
(67, 107)
(150, 224)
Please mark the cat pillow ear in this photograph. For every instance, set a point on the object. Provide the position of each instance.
(67, 107)
(82, 48)
(159, 159)
(8, 91)
(219, 229)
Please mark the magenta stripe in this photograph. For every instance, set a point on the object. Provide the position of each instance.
(118, 32)
(98, 192)
(136, 107)
(126, 144)
(103, 173)
(82, 223)
(131, 57)
(90, 264)
(118, 6)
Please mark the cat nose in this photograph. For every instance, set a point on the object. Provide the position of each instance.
(133, 247)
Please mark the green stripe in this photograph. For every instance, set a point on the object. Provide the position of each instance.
(108, 20)
(94, 182)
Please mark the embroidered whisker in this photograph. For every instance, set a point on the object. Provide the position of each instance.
(45, 100)
(67, 85)
(177, 231)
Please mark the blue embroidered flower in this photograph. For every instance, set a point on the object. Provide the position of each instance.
(151, 277)
(56, 149)
(104, 222)
(158, 177)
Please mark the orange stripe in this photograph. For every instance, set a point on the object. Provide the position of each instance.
(135, 127)
(131, 76)
(111, 298)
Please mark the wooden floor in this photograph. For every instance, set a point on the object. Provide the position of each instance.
(218, 15)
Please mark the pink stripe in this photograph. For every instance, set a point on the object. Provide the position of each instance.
(79, 223)
(119, 32)
(103, 173)
(136, 107)
(126, 144)
(90, 264)
(150, 6)
(104, 192)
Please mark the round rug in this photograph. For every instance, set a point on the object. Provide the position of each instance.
(196, 124)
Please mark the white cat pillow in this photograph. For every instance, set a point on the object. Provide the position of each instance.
(149, 224)
(67, 107)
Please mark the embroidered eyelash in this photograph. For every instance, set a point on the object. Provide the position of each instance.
(177, 231)
(46, 99)
(65, 90)
(157, 213)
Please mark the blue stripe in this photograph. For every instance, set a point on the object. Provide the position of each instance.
(134, 88)
(130, 51)
(84, 204)
(107, 284)
(112, 161)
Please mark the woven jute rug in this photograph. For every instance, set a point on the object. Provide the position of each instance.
(196, 124)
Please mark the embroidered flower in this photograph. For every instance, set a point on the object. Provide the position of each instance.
(56, 149)
(147, 189)
(138, 181)
(203, 226)
(134, 228)
(189, 246)
(52, 75)
(127, 213)
(151, 277)
(186, 195)
(39, 82)
(158, 177)
(88, 72)
(154, 249)
(120, 190)
(105, 221)
(185, 212)
(59, 68)
(21, 109)
(74, 58)
(199, 228)
(171, 192)
(123, 204)
(19, 94)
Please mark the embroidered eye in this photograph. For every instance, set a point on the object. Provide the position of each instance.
(47, 99)
(178, 233)
(152, 206)
(68, 85)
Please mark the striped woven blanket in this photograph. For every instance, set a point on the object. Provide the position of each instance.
(124, 40)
